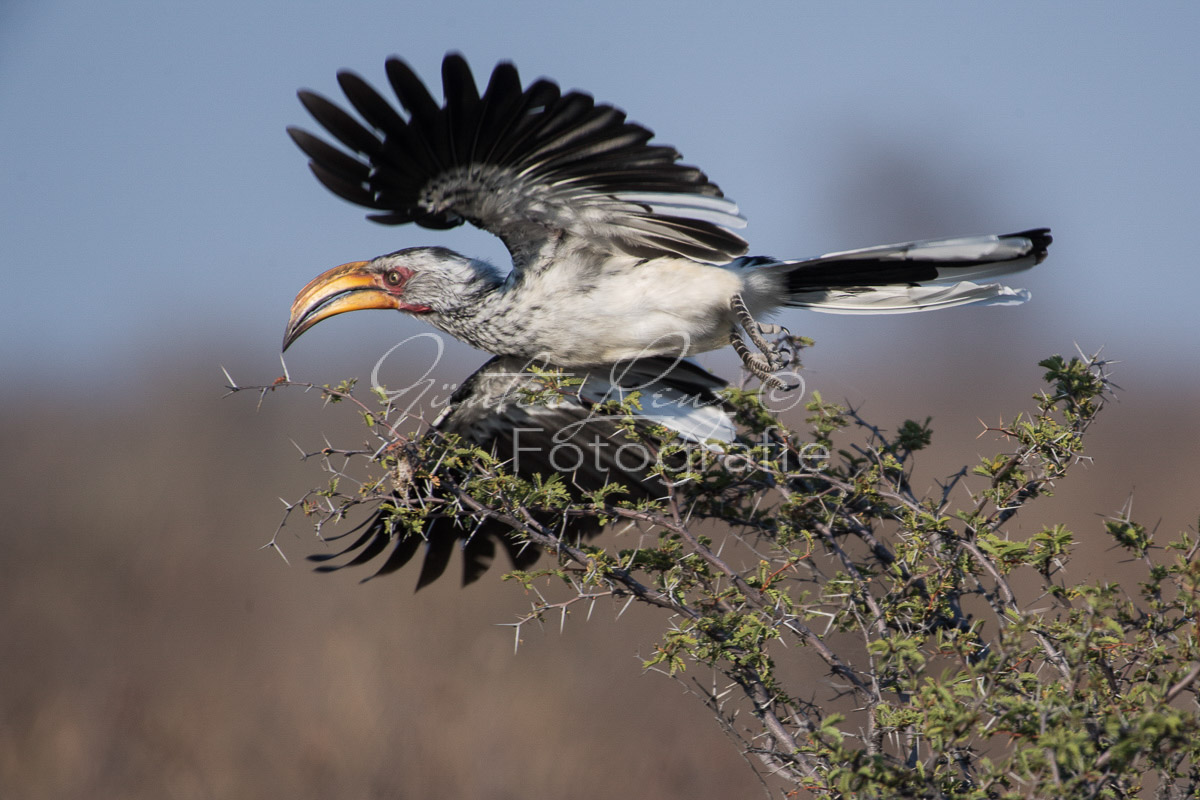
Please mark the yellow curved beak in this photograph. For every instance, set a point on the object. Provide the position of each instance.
(349, 287)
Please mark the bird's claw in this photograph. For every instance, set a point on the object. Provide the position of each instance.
(769, 359)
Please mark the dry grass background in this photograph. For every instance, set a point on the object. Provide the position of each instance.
(149, 650)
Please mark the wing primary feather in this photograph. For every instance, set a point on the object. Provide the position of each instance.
(409, 147)
(368, 533)
(339, 123)
(425, 115)
(594, 150)
(526, 118)
(478, 554)
(569, 109)
(373, 540)
(344, 189)
(373, 548)
(461, 109)
(437, 557)
(393, 218)
(409, 89)
(368, 102)
(523, 554)
(406, 547)
(603, 126)
(499, 109)
(334, 160)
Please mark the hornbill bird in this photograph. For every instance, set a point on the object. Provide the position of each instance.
(618, 251)
(619, 254)
(578, 429)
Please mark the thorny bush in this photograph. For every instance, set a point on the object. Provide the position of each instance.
(958, 661)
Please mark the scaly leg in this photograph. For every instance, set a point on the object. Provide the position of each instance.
(758, 366)
(755, 331)
(761, 366)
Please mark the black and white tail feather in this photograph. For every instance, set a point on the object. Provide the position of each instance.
(911, 277)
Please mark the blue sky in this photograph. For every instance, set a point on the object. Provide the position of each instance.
(152, 203)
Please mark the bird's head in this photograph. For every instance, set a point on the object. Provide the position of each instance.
(419, 281)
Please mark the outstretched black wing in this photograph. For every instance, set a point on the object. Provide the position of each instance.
(575, 434)
(549, 173)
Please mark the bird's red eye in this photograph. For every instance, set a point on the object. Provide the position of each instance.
(393, 277)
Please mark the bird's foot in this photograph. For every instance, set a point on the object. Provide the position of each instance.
(770, 358)
(756, 363)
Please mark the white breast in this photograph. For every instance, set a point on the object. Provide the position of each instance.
(668, 306)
